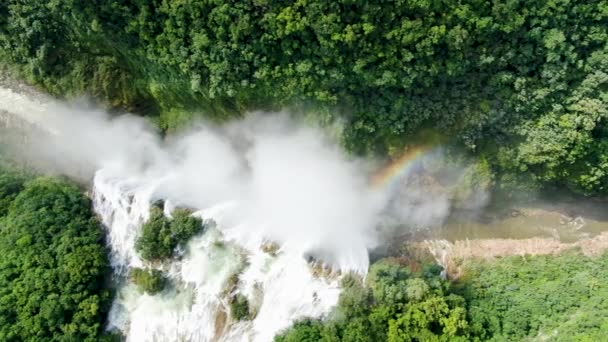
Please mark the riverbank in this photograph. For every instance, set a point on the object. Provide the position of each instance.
(539, 228)
(454, 256)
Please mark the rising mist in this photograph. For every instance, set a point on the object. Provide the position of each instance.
(290, 180)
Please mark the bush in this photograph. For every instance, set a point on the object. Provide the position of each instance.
(387, 280)
(395, 304)
(184, 226)
(155, 243)
(160, 236)
(149, 281)
(239, 307)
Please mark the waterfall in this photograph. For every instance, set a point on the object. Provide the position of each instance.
(290, 211)
(280, 286)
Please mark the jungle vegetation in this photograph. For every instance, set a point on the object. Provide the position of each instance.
(556, 298)
(521, 84)
(53, 263)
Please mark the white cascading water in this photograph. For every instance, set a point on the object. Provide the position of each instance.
(282, 286)
(293, 190)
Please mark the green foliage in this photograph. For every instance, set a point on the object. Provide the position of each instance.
(394, 304)
(304, 331)
(562, 298)
(184, 225)
(521, 83)
(160, 236)
(11, 184)
(436, 318)
(111, 336)
(567, 142)
(149, 281)
(154, 242)
(557, 298)
(52, 264)
(388, 282)
(239, 307)
(476, 180)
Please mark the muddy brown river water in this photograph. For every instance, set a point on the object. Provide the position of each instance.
(566, 222)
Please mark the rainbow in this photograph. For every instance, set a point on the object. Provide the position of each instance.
(398, 167)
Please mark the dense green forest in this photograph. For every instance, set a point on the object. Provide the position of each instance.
(546, 298)
(522, 84)
(53, 263)
(551, 298)
(394, 304)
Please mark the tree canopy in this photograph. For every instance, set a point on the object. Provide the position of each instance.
(160, 235)
(522, 83)
(394, 305)
(561, 298)
(52, 263)
(558, 298)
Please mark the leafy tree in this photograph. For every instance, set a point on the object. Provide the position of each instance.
(52, 265)
(155, 239)
(160, 236)
(387, 281)
(434, 319)
(394, 304)
(519, 298)
(511, 299)
(184, 225)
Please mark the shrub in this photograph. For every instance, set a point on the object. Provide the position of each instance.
(239, 307)
(154, 242)
(160, 235)
(149, 281)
